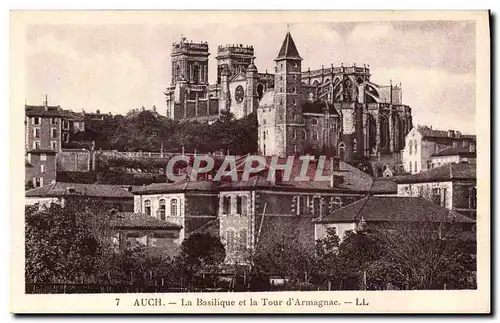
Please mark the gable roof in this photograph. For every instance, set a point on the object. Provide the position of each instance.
(267, 99)
(394, 209)
(288, 49)
(60, 189)
(448, 172)
(131, 220)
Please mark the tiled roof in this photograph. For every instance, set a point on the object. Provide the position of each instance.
(51, 111)
(448, 172)
(394, 208)
(384, 185)
(288, 49)
(433, 133)
(180, 186)
(59, 189)
(450, 151)
(131, 220)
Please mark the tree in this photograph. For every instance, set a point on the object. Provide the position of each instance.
(64, 243)
(200, 253)
(428, 255)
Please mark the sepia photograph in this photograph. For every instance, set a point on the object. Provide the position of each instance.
(215, 160)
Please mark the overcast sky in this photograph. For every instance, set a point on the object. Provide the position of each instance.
(118, 67)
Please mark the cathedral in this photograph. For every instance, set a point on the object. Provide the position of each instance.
(335, 110)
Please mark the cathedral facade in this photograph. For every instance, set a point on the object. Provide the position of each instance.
(336, 109)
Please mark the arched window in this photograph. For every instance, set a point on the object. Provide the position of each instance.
(161, 210)
(173, 207)
(304, 134)
(260, 90)
(314, 122)
(314, 135)
(342, 151)
(294, 133)
(147, 207)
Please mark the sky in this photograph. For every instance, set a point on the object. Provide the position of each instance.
(119, 67)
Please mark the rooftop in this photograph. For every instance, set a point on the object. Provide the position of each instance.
(131, 220)
(60, 189)
(394, 209)
(451, 151)
(448, 172)
(434, 133)
(288, 49)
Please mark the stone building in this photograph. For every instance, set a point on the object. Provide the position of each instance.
(452, 186)
(246, 213)
(300, 111)
(426, 148)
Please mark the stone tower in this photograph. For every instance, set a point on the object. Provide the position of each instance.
(252, 96)
(287, 98)
(190, 62)
(235, 57)
(225, 96)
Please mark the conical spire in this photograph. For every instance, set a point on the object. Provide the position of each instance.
(288, 49)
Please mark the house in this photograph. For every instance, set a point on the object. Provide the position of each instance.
(112, 196)
(129, 230)
(422, 142)
(453, 155)
(452, 186)
(382, 211)
(246, 213)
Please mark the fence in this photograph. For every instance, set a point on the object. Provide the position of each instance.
(49, 288)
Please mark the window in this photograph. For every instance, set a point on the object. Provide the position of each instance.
(161, 210)
(43, 157)
(429, 164)
(415, 146)
(436, 196)
(416, 170)
(147, 207)
(411, 147)
(294, 102)
(36, 120)
(317, 206)
(314, 122)
(264, 135)
(42, 168)
(53, 145)
(173, 207)
(411, 171)
(304, 134)
(66, 137)
(238, 205)
(36, 133)
(314, 135)
(304, 205)
(37, 182)
(243, 240)
(52, 120)
(53, 133)
(294, 133)
(226, 205)
(65, 125)
(295, 149)
(36, 145)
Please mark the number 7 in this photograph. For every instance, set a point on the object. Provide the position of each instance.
(117, 301)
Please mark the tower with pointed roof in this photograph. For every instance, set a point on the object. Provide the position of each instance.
(288, 98)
